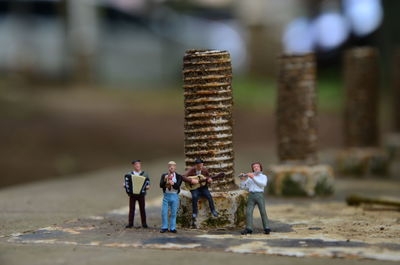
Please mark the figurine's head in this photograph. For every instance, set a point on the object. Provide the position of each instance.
(171, 166)
(256, 167)
(137, 165)
(198, 163)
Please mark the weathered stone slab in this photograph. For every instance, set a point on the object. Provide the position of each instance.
(301, 180)
(231, 206)
(363, 161)
(392, 144)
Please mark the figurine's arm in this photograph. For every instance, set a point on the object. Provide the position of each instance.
(178, 182)
(148, 180)
(162, 181)
(207, 175)
(244, 184)
(185, 176)
(261, 180)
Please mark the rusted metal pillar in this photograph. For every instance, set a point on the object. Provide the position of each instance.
(296, 110)
(361, 81)
(362, 154)
(299, 173)
(208, 113)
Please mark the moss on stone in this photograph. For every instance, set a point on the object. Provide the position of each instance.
(240, 215)
(323, 187)
(353, 168)
(183, 217)
(292, 188)
(219, 221)
(379, 165)
(271, 186)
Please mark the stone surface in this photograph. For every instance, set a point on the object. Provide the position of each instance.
(363, 161)
(231, 206)
(301, 180)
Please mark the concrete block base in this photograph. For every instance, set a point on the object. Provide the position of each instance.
(392, 144)
(230, 205)
(301, 180)
(363, 162)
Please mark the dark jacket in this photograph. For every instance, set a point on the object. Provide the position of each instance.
(192, 172)
(176, 186)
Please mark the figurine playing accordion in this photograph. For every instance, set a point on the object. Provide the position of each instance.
(136, 183)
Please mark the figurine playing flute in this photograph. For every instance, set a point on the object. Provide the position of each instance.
(255, 182)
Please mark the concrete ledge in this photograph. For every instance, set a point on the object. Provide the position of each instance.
(301, 180)
(230, 205)
(363, 162)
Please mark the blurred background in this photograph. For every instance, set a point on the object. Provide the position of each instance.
(91, 84)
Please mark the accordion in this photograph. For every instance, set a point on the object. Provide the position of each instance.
(135, 184)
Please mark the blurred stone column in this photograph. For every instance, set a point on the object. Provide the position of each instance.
(361, 155)
(361, 81)
(297, 112)
(82, 27)
(299, 173)
(392, 139)
(208, 135)
(396, 91)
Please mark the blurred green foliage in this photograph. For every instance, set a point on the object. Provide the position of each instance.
(259, 94)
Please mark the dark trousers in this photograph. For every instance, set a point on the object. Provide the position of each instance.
(202, 191)
(132, 204)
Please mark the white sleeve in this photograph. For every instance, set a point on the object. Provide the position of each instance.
(261, 180)
(243, 185)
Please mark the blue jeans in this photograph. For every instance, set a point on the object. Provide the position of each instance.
(170, 200)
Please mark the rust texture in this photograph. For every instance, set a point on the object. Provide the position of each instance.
(296, 110)
(208, 98)
(361, 81)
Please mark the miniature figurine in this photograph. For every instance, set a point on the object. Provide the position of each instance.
(194, 177)
(255, 182)
(170, 182)
(136, 184)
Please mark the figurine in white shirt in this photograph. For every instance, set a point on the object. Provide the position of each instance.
(255, 182)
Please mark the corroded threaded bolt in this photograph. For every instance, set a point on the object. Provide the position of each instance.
(296, 109)
(361, 81)
(208, 113)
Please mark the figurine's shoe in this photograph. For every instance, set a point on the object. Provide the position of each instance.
(173, 231)
(246, 231)
(267, 230)
(163, 230)
(128, 226)
(145, 226)
(214, 213)
(194, 215)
